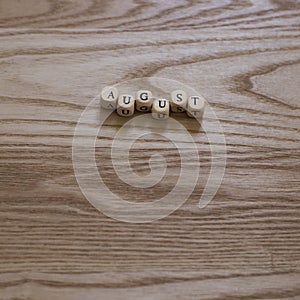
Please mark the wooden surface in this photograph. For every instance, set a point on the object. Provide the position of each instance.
(244, 57)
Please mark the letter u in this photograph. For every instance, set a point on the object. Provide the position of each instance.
(126, 101)
(160, 103)
(125, 111)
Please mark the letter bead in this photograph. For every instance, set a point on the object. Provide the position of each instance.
(143, 101)
(178, 101)
(109, 97)
(125, 105)
(160, 109)
(196, 105)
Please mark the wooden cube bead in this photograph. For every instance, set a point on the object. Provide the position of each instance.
(126, 105)
(143, 101)
(160, 109)
(178, 101)
(196, 105)
(109, 97)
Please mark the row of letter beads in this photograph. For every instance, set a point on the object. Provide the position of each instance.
(126, 104)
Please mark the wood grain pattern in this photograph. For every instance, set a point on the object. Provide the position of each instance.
(244, 56)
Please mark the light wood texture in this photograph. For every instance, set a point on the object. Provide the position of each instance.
(244, 57)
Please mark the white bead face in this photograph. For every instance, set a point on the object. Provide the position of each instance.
(109, 97)
(126, 105)
(160, 109)
(144, 100)
(196, 105)
(143, 95)
(178, 101)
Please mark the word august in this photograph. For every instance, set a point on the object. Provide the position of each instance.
(144, 101)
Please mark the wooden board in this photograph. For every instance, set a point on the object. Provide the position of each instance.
(244, 57)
